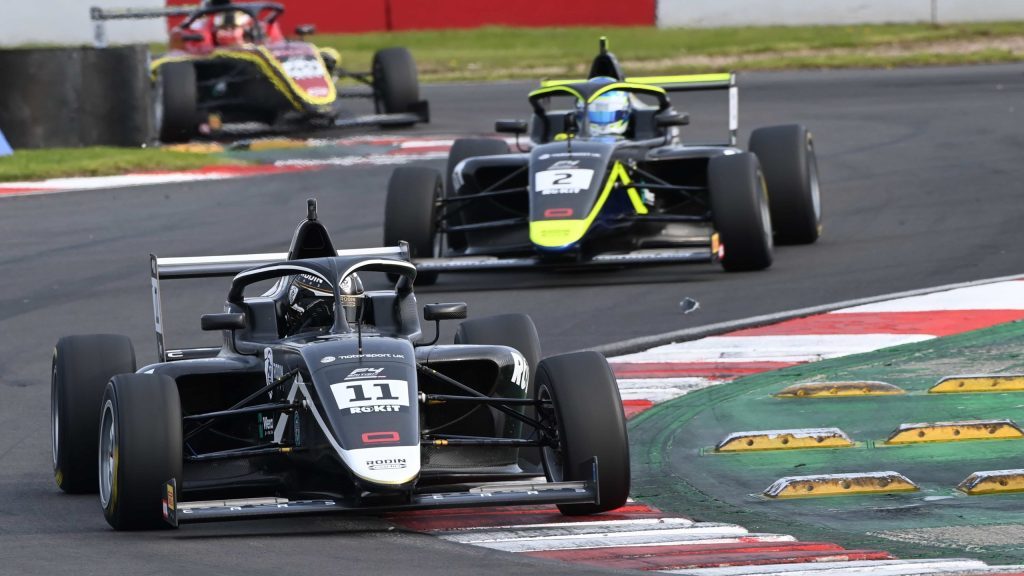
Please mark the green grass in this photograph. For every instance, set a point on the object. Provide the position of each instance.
(98, 161)
(498, 52)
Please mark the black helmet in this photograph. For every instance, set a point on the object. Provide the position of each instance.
(311, 302)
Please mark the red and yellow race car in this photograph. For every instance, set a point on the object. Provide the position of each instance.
(230, 63)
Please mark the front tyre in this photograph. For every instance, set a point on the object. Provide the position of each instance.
(177, 116)
(791, 172)
(81, 367)
(395, 81)
(739, 209)
(139, 449)
(584, 411)
(410, 213)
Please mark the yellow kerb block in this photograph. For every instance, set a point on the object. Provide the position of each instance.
(955, 431)
(979, 383)
(840, 485)
(993, 482)
(784, 440)
(837, 389)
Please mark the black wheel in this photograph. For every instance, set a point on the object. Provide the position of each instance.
(396, 86)
(461, 149)
(739, 209)
(82, 365)
(410, 211)
(790, 170)
(139, 449)
(585, 412)
(177, 117)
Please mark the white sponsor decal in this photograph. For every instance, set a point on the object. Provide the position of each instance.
(520, 371)
(302, 68)
(568, 181)
(371, 396)
(364, 373)
(327, 359)
(352, 356)
(386, 464)
(563, 164)
(271, 370)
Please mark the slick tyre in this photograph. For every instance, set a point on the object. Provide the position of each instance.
(790, 170)
(81, 367)
(139, 449)
(583, 407)
(739, 209)
(462, 149)
(515, 331)
(410, 213)
(395, 81)
(177, 117)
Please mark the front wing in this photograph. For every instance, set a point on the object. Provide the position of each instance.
(647, 257)
(488, 494)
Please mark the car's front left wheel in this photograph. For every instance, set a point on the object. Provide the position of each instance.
(410, 213)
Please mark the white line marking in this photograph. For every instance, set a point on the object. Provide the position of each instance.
(580, 528)
(598, 532)
(1000, 296)
(661, 389)
(854, 568)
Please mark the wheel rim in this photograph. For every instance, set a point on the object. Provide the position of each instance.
(108, 453)
(766, 215)
(54, 414)
(552, 458)
(812, 166)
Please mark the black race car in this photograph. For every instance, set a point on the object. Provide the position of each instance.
(579, 198)
(230, 66)
(326, 398)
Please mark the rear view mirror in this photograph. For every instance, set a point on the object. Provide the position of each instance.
(305, 30)
(510, 126)
(446, 311)
(192, 37)
(667, 119)
(224, 321)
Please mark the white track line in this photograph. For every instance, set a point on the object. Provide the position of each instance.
(659, 390)
(788, 348)
(579, 527)
(1001, 296)
(854, 568)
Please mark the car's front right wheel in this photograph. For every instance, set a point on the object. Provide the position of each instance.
(139, 449)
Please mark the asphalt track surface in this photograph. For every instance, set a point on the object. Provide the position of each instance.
(922, 177)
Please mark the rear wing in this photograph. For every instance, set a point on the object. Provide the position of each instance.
(100, 16)
(223, 266)
(687, 83)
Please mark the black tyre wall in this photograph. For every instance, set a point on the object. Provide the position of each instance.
(81, 367)
(790, 170)
(147, 413)
(68, 97)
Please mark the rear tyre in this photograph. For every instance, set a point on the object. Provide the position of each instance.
(739, 209)
(515, 331)
(139, 449)
(586, 413)
(410, 213)
(790, 169)
(395, 81)
(81, 367)
(177, 117)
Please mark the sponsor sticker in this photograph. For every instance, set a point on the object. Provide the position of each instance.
(368, 396)
(386, 464)
(364, 373)
(520, 371)
(567, 181)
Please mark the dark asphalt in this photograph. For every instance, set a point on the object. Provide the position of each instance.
(922, 180)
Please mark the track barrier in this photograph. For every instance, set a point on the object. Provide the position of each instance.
(840, 485)
(784, 440)
(836, 389)
(81, 96)
(955, 431)
(979, 383)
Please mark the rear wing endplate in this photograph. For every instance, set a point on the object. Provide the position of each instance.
(224, 266)
(687, 83)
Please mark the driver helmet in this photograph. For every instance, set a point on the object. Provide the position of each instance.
(310, 303)
(609, 113)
